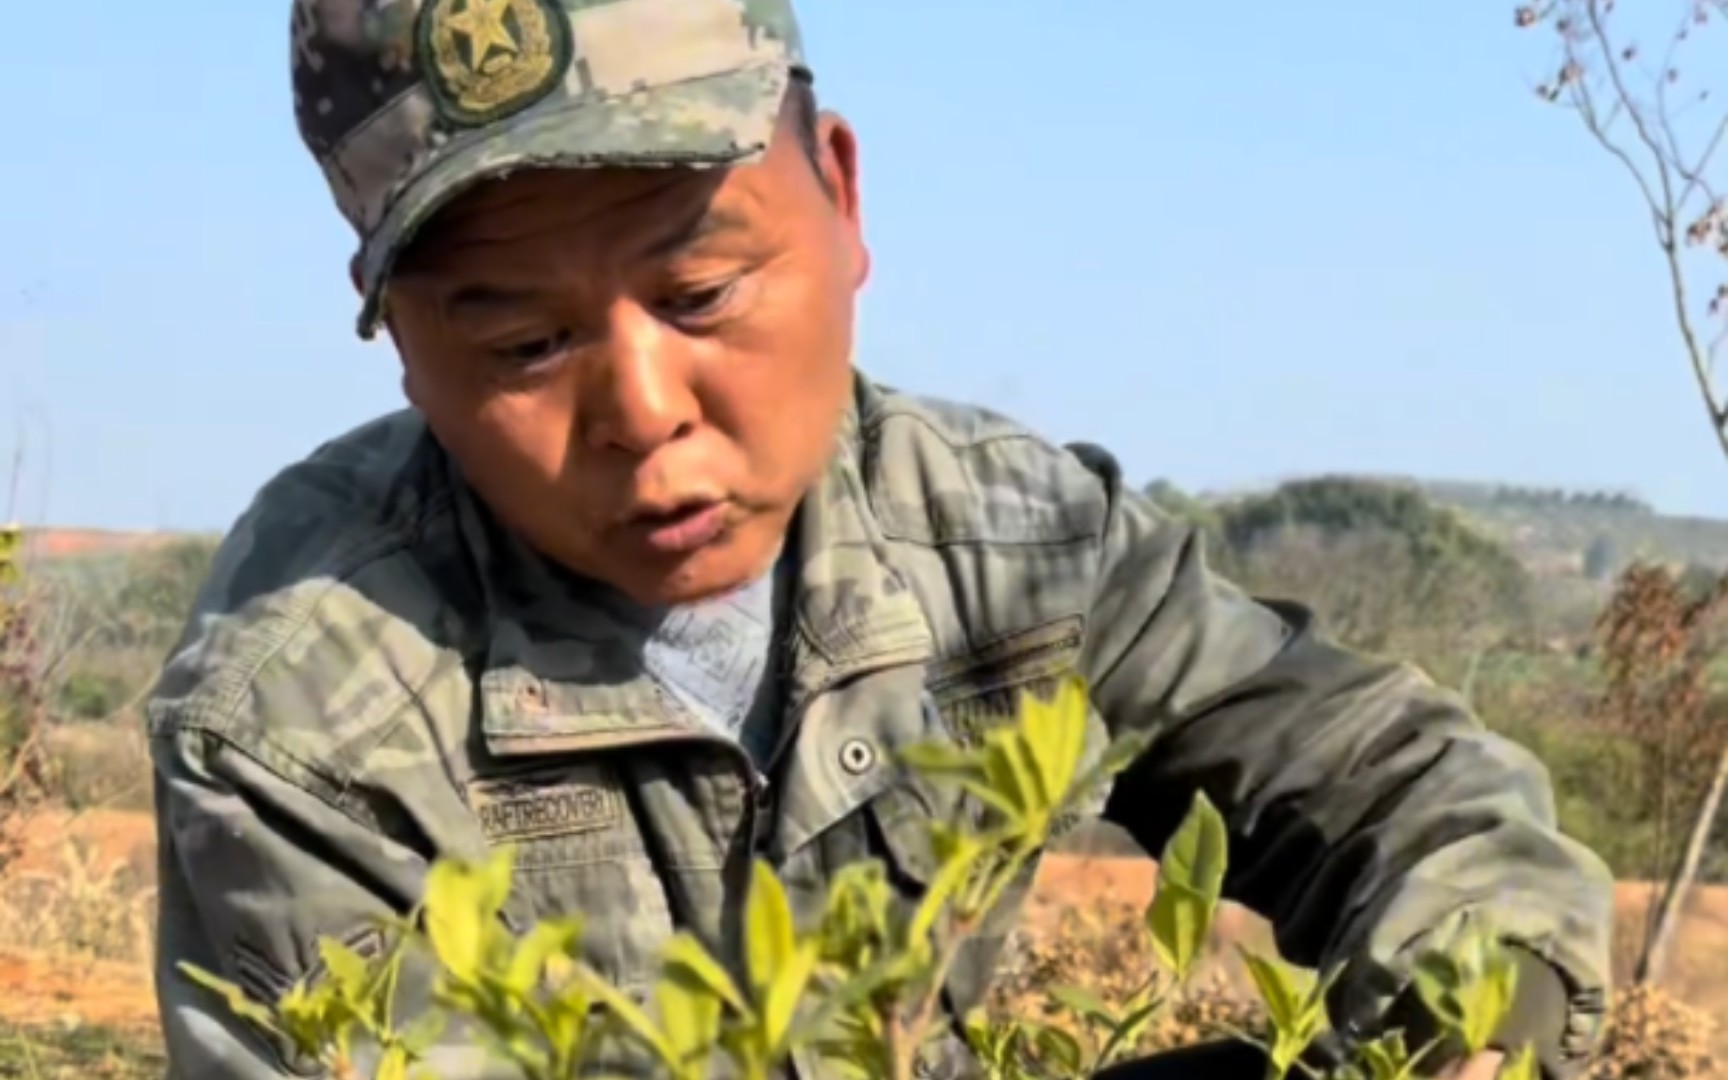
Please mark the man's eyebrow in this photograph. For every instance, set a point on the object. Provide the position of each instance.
(711, 221)
(481, 299)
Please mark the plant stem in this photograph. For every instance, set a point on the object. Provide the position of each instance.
(893, 1040)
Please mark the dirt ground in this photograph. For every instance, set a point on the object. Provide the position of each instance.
(62, 543)
(110, 836)
(1699, 973)
(54, 991)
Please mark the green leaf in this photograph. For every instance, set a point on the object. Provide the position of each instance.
(1005, 773)
(1179, 921)
(1386, 1057)
(565, 1019)
(1521, 1066)
(1468, 983)
(856, 1059)
(1196, 855)
(554, 937)
(423, 1032)
(462, 905)
(232, 996)
(1084, 1004)
(1278, 989)
(1190, 884)
(311, 1019)
(348, 970)
(780, 1003)
(1007, 804)
(769, 932)
(11, 551)
(393, 1065)
(942, 759)
(1038, 757)
(855, 921)
(1126, 1035)
(1295, 1007)
(1487, 1000)
(635, 1020)
(841, 999)
(1055, 735)
(1437, 977)
(1123, 751)
(1060, 1049)
(685, 952)
(689, 1018)
(999, 1043)
(954, 872)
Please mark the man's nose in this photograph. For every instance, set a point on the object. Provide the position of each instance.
(639, 397)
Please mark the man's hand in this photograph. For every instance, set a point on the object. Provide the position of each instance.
(1484, 1066)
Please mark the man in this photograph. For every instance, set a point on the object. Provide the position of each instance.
(649, 581)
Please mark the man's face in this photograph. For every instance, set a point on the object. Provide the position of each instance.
(642, 371)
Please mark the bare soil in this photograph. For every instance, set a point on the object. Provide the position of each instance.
(65, 543)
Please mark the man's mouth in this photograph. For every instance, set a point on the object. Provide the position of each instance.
(681, 529)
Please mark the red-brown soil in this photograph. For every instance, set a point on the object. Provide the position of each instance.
(62, 543)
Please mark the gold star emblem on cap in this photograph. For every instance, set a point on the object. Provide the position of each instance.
(486, 59)
(482, 23)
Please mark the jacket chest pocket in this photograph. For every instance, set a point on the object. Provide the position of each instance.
(963, 698)
(967, 698)
(986, 688)
(579, 850)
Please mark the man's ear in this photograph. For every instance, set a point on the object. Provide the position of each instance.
(837, 146)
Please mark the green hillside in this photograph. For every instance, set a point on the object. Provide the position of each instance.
(1560, 533)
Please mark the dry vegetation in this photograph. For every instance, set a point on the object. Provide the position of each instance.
(1395, 572)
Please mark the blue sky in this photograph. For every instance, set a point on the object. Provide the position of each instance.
(1232, 248)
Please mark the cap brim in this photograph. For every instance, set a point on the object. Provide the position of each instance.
(719, 120)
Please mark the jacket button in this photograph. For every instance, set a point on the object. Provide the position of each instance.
(857, 756)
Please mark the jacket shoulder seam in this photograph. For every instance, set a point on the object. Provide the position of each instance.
(214, 709)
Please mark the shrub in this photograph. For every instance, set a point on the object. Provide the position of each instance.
(22, 706)
(861, 989)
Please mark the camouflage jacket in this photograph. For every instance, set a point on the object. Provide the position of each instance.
(376, 675)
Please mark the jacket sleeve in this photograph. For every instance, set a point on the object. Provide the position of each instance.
(253, 872)
(1366, 807)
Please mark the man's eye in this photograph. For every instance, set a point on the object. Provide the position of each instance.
(689, 303)
(534, 350)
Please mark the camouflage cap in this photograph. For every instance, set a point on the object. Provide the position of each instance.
(408, 103)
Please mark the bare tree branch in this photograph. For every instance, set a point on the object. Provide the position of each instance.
(1596, 79)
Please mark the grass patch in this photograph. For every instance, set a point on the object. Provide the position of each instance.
(80, 904)
(53, 1053)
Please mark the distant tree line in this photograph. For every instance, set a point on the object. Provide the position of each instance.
(1537, 498)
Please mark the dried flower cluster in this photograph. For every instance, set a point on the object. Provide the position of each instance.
(1102, 949)
(1654, 1037)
